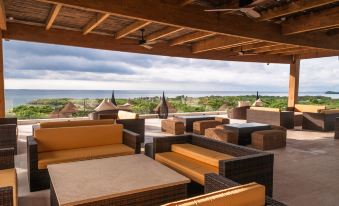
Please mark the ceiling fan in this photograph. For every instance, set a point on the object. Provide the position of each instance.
(143, 42)
(245, 6)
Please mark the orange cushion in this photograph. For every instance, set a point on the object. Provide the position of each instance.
(75, 123)
(308, 108)
(191, 168)
(55, 157)
(8, 178)
(127, 115)
(201, 154)
(63, 138)
(269, 109)
(251, 194)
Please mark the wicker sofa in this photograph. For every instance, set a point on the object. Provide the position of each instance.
(273, 116)
(237, 112)
(235, 162)
(8, 133)
(8, 178)
(67, 144)
(323, 120)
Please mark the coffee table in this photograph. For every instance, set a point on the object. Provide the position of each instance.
(125, 180)
(189, 120)
(244, 130)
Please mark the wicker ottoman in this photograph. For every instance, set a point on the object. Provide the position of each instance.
(221, 135)
(172, 126)
(268, 139)
(222, 120)
(281, 128)
(199, 127)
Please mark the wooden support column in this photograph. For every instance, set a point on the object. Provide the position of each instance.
(2, 84)
(294, 83)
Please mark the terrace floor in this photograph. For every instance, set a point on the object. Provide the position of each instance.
(306, 172)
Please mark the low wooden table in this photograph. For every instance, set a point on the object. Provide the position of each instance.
(245, 130)
(125, 180)
(189, 120)
(336, 132)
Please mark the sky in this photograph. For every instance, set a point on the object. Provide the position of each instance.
(46, 66)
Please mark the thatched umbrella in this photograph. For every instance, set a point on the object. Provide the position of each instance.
(69, 108)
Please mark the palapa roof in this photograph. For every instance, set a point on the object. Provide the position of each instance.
(68, 108)
(286, 30)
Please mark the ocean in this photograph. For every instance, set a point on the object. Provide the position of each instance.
(15, 97)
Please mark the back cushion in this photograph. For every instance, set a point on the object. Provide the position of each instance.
(53, 139)
(269, 109)
(308, 108)
(251, 194)
(127, 115)
(75, 123)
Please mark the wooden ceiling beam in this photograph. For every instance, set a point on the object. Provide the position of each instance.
(23, 32)
(318, 54)
(294, 7)
(52, 15)
(252, 46)
(131, 28)
(162, 33)
(190, 37)
(95, 22)
(273, 48)
(218, 42)
(325, 19)
(186, 2)
(3, 25)
(197, 19)
(280, 51)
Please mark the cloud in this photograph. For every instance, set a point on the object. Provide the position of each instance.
(69, 67)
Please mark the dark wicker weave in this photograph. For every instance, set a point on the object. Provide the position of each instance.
(237, 112)
(189, 120)
(214, 182)
(146, 198)
(6, 162)
(8, 133)
(248, 165)
(283, 118)
(319, 121)
(39, 179)
(134, 125)
(336, 134)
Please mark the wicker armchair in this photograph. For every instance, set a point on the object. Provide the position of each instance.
(238, 112)
(7, 162)
(39, 178)
(8, 133)
(249, 165)
(214, 182)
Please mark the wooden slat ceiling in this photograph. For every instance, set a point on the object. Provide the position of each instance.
(288, 31)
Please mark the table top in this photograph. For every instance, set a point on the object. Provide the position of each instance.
(195, 117)
(93, 180)
(247, 125)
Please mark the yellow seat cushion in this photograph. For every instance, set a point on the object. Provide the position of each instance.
(308, 108)
(62, 156)
(201, 154)
(191, 168)
(127, 115)
(269, 109)
(251, 194)
(75, 123)
(63, 138)
(8, 178)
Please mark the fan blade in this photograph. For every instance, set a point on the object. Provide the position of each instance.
(146, 46)
(250, 12)
(221, 9)
(150, 42)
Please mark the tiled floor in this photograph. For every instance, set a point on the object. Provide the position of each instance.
(306, 173)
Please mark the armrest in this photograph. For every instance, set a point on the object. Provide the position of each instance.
(132, 140)
(6, 158)
(163, 144)
(250, 168)
(214, 182)
(32, 154)
(6, 196)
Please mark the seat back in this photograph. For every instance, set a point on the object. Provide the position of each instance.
(127, 115)
(63, 138)
(75, 123)
(251, 194)
(308, 108)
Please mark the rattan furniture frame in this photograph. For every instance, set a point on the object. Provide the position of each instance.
(237, 112)
(134, 125)
(214, 182)
(189, 120)
(282, 118)
(39, 178)
(6, 162)
(8, 133)
(319, 121)
(248, 165)
(336, 133)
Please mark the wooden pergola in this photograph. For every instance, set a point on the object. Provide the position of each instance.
(281, 31)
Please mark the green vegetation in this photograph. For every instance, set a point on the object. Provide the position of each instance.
(42, 108)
